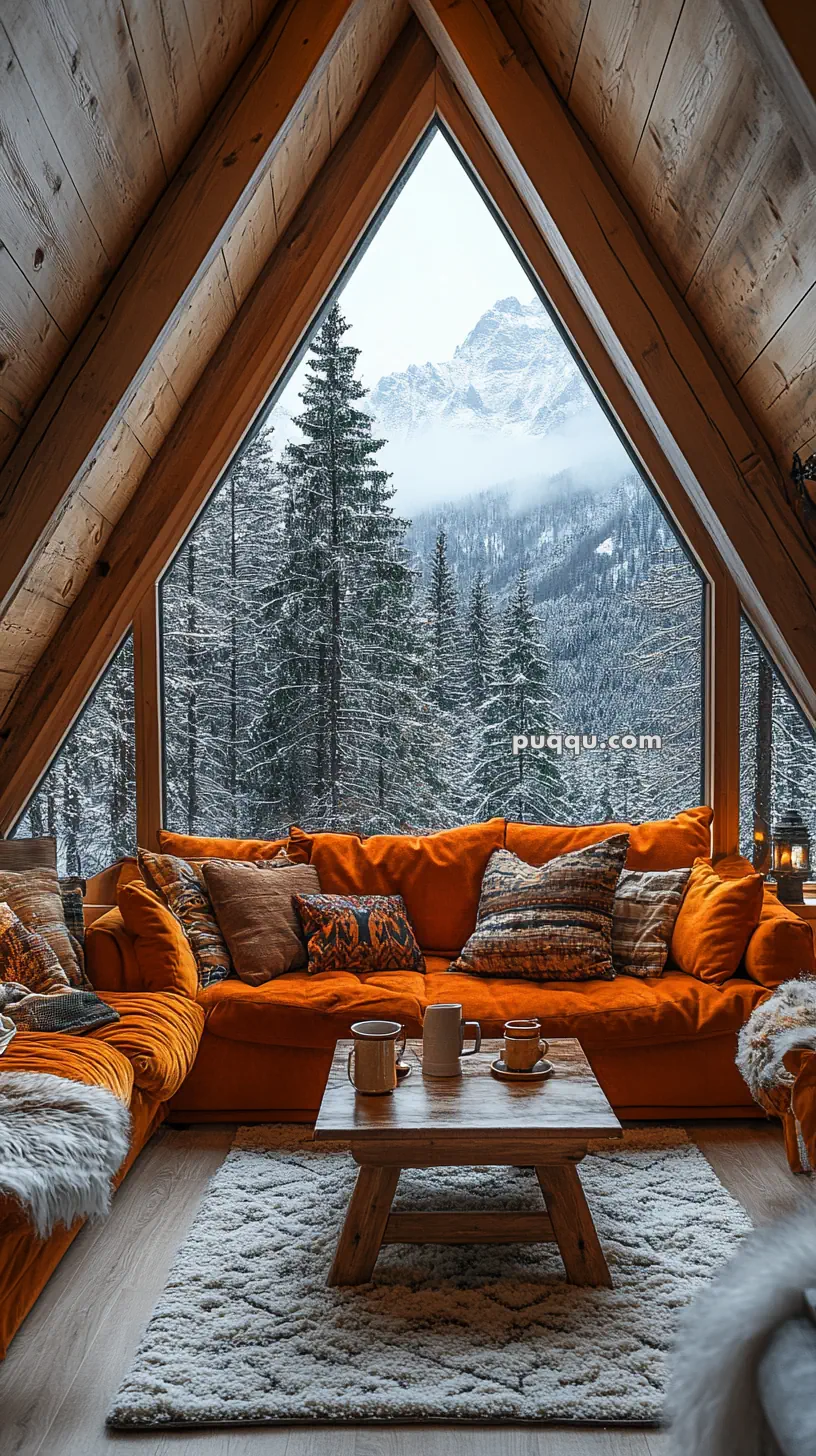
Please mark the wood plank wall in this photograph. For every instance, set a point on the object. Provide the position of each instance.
(695, 127)
(113, 476)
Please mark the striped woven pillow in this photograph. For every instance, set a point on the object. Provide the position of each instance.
(547, 923)
(647, 903)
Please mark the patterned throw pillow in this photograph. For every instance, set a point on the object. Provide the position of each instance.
(647, 903)
(552, 923)
(182, 888)
(27, 958)
(358, 933)
(34, 990)
(72, 894)
(34, 895)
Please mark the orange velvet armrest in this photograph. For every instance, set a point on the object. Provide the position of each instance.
(110, 954)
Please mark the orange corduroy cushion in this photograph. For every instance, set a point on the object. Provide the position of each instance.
(439, 876)
(657, 844)
(717, 919)
(163, 952)
(194, 846)
(159, 1034)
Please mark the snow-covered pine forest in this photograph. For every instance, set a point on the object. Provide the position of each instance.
(330, 663)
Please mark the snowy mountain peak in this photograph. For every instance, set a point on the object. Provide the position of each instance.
(511, 373)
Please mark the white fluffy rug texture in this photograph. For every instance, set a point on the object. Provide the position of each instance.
(61, 1142)
(248, 1332)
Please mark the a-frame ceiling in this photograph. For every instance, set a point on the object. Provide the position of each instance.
(707, 149)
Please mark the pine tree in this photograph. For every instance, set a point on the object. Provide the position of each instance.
(444, 640)
(524, 786)
(346, 699)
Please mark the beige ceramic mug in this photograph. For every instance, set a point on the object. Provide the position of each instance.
(375, 1055)
(523, 1045)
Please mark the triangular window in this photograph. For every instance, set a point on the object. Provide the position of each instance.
(433, 585)
(87, 799)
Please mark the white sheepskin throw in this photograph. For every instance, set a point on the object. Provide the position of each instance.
(61, 1143)
(786, 1020)
(713, 1400)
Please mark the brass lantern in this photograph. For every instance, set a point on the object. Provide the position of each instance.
(790, 856)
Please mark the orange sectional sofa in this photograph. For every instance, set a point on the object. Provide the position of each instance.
(143, 1059)
(660, 1048)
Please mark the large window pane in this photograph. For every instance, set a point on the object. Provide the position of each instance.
(87, 799)
(777, 752)
(428, 592)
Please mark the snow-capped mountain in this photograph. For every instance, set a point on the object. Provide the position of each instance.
(512, 373)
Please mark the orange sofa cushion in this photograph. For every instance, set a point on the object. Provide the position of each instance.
(439, 876)
(86, 1059)
(297, 1009)
(194, 846)
(717, 919)
(159, 1034)
(659, 844)
(164, 955)
(602, 1014)
(110, 954)
(781, 948)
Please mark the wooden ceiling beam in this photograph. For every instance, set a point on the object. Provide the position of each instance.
(84, 404)
(294, 285)
(699, 421)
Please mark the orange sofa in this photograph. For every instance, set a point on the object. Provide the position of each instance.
(143, 1059)
(660, 1048)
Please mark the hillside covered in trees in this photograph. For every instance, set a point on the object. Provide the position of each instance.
(332, 661)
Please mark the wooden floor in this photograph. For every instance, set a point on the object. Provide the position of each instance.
(68, 1359)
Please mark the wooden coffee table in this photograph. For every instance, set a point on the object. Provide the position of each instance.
(471, 1120)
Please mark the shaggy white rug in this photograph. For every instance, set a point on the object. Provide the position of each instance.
(247, 1330)
(61, 1142)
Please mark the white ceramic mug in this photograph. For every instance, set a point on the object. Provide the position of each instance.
(375, 1055)
(443, 1039)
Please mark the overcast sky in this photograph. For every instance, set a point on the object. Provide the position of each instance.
(437, 263)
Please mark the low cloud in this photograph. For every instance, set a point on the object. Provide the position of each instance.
(448, 462)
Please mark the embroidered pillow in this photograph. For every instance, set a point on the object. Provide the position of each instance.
(358, 933)
(551, 923)
(184, 891)
(647, 903)
(34, 895)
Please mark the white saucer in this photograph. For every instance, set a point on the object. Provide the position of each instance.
(538, 1073)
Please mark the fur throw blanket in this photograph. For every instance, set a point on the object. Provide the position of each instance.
(786, 1020)
(713, 1401)
(60, 1145)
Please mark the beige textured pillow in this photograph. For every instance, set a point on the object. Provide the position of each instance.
(647, 903)
(34, 896)
(256, 915)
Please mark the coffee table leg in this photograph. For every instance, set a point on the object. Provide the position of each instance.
(364, 1225)
(575, 1233)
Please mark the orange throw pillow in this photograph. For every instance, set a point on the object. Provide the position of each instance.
(717, 919)
(163, 953)
(195, 846)
(781, 948)
(439, 876)
(658, 844)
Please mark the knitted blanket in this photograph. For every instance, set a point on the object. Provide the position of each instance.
(61, 1143)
